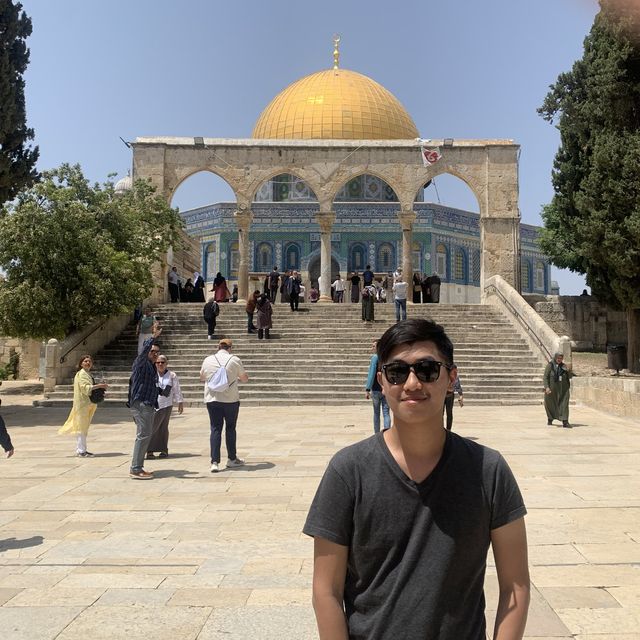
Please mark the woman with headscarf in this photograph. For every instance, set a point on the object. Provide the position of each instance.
(557, 383)
(368, 300)
(264, 310)
(220, 289)
(169, 394)
(198, 287)
(83, 407)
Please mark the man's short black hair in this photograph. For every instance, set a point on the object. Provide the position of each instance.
(414, 330)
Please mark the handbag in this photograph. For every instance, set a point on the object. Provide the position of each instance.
(97, 395)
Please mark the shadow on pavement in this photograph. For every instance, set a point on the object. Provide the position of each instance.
(14, 543)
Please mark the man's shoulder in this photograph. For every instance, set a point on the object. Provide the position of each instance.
(465, 450)
(355, 456)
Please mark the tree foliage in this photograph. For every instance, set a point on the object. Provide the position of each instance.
(592, 225)
(73, 252)
(17, 160)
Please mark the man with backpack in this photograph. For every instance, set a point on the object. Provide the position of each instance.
(210, 312)
(221, 373)
(274, 279)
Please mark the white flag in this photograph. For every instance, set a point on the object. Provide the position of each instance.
(430, 156)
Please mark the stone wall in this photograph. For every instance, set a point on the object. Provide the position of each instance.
(589, 324)
(619, 396)
(28, 352)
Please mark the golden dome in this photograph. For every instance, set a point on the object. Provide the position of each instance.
(336, 104)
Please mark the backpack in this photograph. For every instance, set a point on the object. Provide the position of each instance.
(219, 380)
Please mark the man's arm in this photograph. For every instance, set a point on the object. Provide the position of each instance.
(329, 571)
(510, 552)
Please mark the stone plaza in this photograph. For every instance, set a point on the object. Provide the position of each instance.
(85, 552)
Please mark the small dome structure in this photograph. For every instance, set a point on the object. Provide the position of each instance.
(335, 104)
(123, 185)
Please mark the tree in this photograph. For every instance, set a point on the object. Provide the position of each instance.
(73, 252)
(17, 161)
(592, 224)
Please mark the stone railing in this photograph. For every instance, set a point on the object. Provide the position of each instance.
(540, 336)
(61, 357)
(616, 395)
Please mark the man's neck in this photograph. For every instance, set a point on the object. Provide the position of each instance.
(416, 448)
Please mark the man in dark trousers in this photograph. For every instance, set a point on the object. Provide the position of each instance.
(274, 279)
(143, 398)
(402, 521)
(448, 401)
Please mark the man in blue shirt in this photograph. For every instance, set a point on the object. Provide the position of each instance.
(374, 391)
(143, 397)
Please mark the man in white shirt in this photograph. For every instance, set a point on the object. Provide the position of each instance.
(400, 295)
(339, 287)
(223, 406)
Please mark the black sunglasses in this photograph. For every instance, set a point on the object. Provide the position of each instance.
(426, 370)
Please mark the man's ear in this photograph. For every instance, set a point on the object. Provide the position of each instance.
(379, 377)
(453, 374)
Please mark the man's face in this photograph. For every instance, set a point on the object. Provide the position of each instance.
(153, 353)
(414, 401)
(559, 359)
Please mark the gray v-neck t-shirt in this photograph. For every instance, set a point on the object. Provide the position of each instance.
(417, 551)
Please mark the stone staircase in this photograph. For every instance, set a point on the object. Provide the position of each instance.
(320, 355)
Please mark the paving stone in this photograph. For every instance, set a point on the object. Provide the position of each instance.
(35, 623)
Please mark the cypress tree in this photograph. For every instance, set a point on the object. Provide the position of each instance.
(17, 159)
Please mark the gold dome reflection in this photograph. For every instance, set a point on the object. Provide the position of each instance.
(336, 104)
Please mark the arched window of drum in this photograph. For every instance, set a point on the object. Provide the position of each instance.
(525, 276)
(540, 275)
(210, 262)
(358, 253)
(441, 260)
(459, 270)
(292, 257)
(265, 257)
(476, 266)
(234, 262)
(385, 257)
(416, 257)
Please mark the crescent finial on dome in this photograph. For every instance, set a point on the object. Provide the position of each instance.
(336, 50)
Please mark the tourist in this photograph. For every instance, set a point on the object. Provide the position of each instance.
(367, 276)
(557, 383)
(426, 288)
(198, 287)
(302, 294)
(250, 309)
(385, 285)
(174, 284)
(451, 394)
(143, 401)
(220, 289)
(338, 288)
(274, 279)
(264, 310)
(400, 296)
(210, 313)
(397, 274)
(223, 405)
(5, 438)
(417, 288)
(284, 287)
(265, 286)
(355, 287)
(144, 327)
(169, 393)
(314, 294)
(368, 300)
(234, 293)
(293, 290)
(374, 392)
(402, 521)
(434, 287)
(83, 407)
(187, 291)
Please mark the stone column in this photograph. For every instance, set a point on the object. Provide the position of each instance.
(407, 219)
(325, 221)
(243, 220)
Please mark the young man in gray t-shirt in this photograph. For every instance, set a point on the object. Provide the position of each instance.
(402, 521)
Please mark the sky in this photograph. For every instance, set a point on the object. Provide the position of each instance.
(131, 68)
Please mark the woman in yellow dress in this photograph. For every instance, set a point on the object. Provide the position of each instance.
(83, 409)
